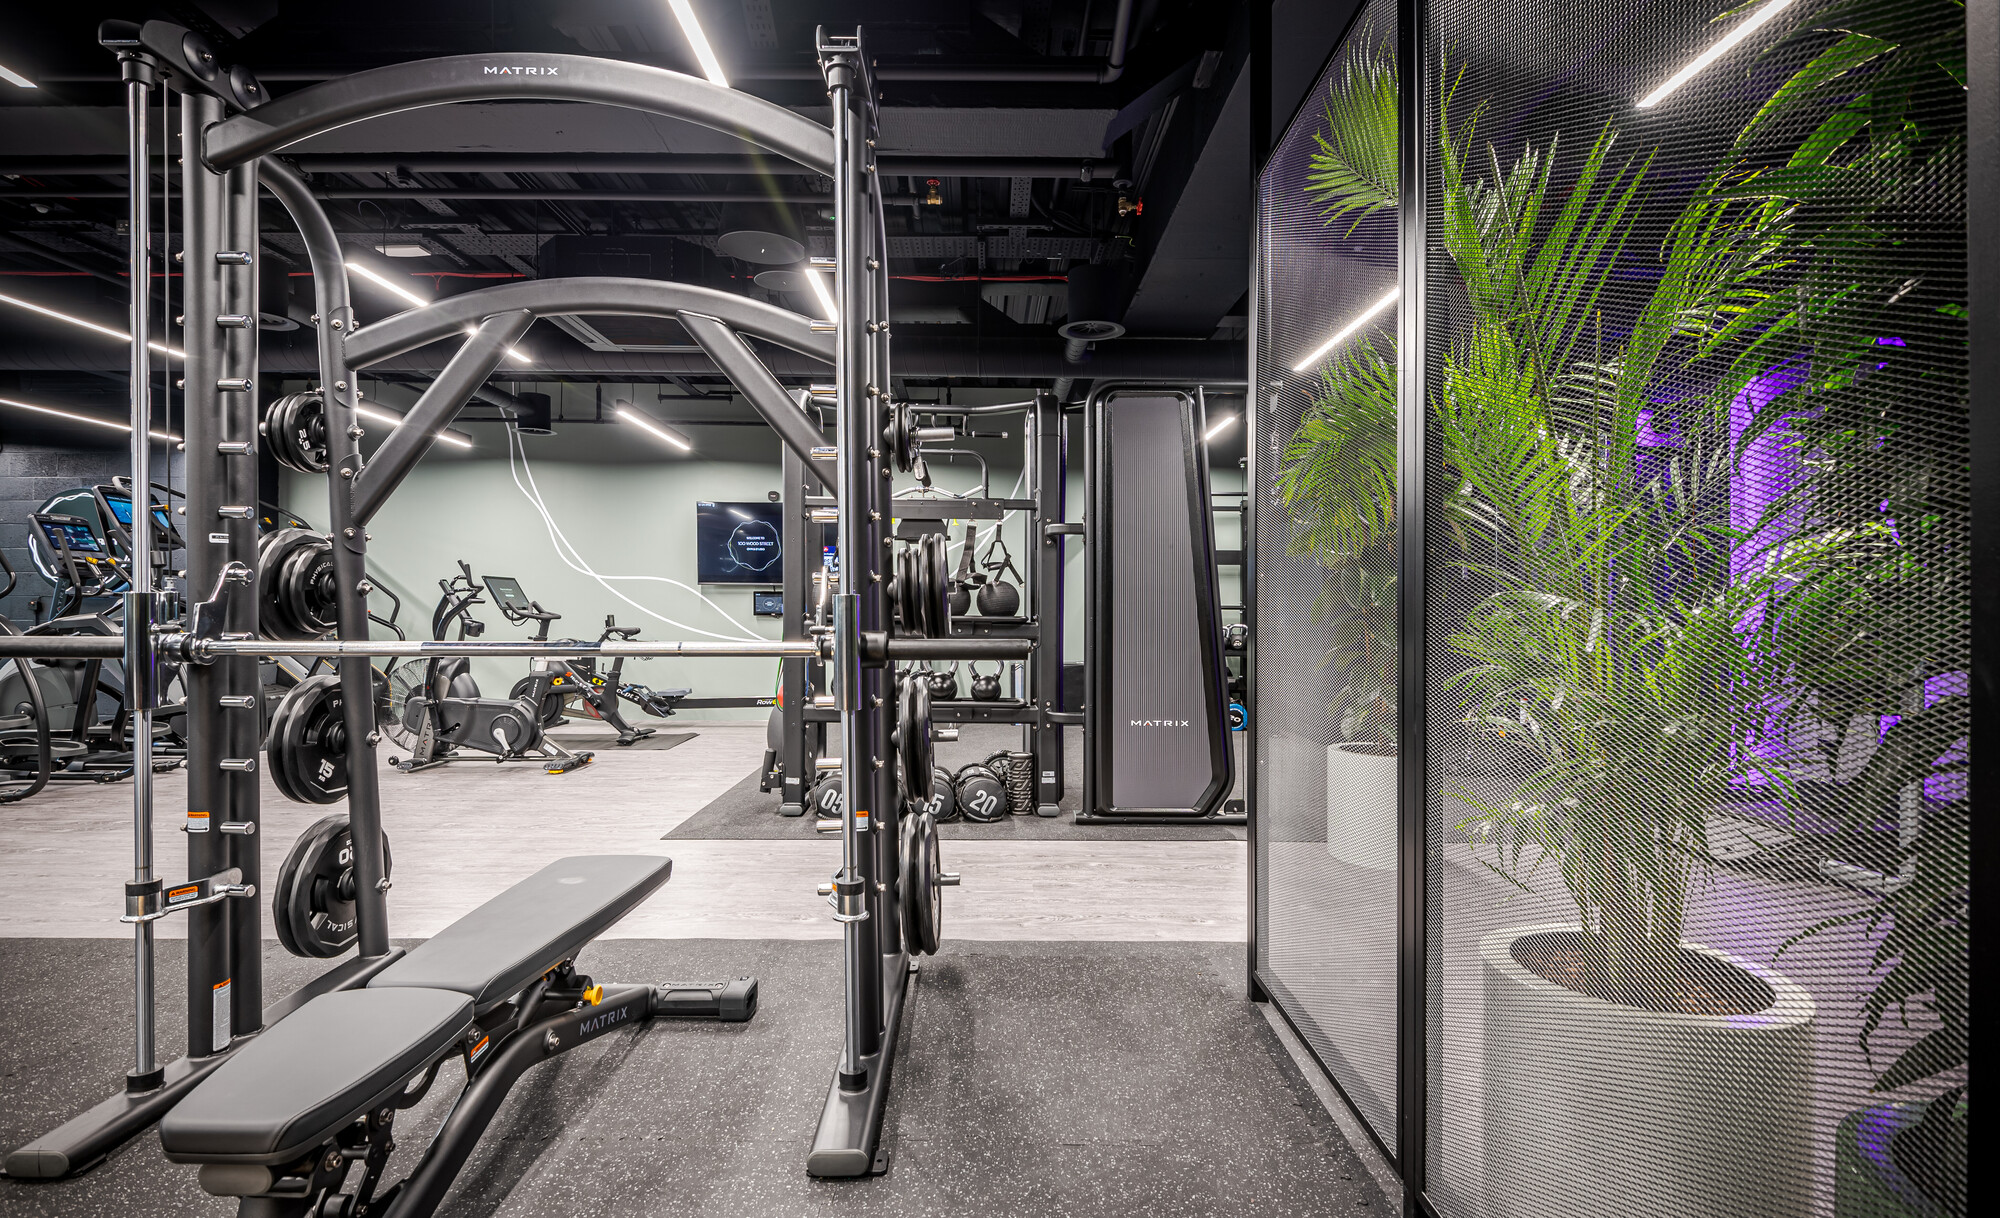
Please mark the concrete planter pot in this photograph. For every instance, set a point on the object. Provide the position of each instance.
(1597, 1108)
(1361, 804)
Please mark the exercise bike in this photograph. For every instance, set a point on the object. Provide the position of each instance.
(445, 714)
(576, 678)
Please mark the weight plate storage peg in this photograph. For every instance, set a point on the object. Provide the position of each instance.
(307, 747)
(312, 908)
(919, 881)
(913, 739)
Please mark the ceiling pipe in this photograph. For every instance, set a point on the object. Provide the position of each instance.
(293, 353)
(524, 194)
(1058, 168)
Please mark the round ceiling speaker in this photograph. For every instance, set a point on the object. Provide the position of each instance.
(762, 233)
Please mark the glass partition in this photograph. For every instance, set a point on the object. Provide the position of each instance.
(1696, 559)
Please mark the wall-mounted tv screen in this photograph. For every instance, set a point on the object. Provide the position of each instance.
(739, 543)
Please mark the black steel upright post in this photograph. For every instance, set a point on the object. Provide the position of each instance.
(140, 75)
(350, 549)
(210, 538)
(873, 327)
(1045, 604)
(1413, 785)
(798, 608)
(238, 679)
(860, 605)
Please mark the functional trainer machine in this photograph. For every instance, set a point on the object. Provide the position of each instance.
(278, 1103)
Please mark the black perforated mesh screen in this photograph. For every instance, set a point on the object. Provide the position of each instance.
(1325, 702)
(1696, 550)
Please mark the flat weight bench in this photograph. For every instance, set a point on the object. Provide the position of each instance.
(280, 1123)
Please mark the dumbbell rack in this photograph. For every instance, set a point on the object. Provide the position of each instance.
(1041, 710)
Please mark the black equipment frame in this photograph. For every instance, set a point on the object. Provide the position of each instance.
(229, 135)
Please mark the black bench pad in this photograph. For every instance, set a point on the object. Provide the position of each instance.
(307, 1076)
(499, 949)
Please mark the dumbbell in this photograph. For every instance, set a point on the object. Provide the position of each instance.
(943, 806)
(982, 795)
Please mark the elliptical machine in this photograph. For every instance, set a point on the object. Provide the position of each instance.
(445, 712)
(576, 678)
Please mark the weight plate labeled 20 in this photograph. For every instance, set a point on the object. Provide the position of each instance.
(312, 908)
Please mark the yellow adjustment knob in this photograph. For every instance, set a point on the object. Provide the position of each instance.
(594, 995)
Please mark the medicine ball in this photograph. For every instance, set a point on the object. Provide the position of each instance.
(943, 806)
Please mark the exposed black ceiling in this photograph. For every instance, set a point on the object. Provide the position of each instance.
(1019, 142)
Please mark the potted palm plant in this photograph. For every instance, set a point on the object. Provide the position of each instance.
(1338, 477)
(1586, 529)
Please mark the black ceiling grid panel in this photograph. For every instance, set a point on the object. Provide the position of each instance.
(1023, 122)
(1674, 333)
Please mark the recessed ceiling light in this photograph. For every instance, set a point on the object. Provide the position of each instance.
(403, 249)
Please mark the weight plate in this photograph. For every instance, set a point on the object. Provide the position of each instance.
(312, 907)
(307, 750)
(982, 796)
(906, 592)
(917, 876)
(943, 805)
(900, 439)
(307, 589)
(296, 428)
(935, 586)
(274, 752)
(913, 739)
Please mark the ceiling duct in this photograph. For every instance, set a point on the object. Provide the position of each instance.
(535, 416)
(763, 233)
(1096, 308)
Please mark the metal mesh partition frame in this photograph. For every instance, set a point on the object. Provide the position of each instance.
(1325, 563)
(1698, 620)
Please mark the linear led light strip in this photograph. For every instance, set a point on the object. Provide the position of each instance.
(15, 78)
(416, 301)
(395, 420)
(711, 67)
(662, 432)
(1388, 299)
(107, 331)
(1750, 26)
(93, 420)
(818, 286)
(1220, 427)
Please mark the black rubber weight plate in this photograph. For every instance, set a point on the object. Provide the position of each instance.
(937, 588)
(914, 743)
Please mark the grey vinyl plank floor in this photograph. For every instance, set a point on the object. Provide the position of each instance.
(462, 832)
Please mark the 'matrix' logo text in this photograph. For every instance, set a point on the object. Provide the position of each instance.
(1159, 723)
(495, 71)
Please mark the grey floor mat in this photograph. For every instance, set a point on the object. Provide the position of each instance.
(745, 812)
(1089, 1079)
(591, 738)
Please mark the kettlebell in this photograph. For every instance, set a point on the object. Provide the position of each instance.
(985, 686)
(963, 580)
(943, 683)
(998, 598)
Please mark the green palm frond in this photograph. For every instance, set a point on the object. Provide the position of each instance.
(1354, 172)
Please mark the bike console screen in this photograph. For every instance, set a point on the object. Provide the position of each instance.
(507, 593)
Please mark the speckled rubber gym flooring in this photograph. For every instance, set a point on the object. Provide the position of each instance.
(1035, 1079)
